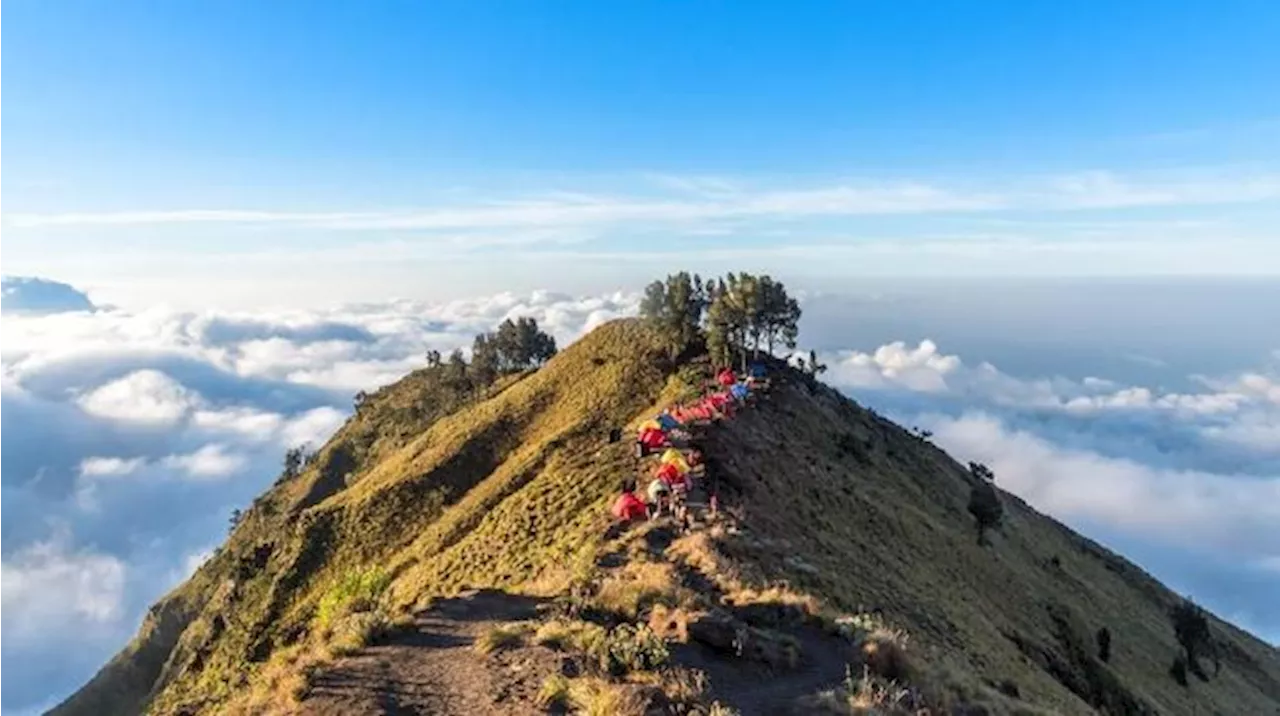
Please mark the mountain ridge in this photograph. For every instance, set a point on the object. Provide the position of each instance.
(829, 503)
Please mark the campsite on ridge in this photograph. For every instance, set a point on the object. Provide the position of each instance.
(452, 549)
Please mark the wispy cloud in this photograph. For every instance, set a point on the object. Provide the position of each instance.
(701, 199)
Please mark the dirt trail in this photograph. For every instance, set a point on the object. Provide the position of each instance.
(433, 668)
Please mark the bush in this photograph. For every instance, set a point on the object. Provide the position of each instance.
(570, 635)
(597, 697)
(501, 636)
(553, 692)
(357, 591)
(1191, 628)
(1179, 671)
(356, 631)
(624, 648)
(1104, 644)
(985, 506)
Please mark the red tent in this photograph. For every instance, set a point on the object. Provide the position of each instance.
(653, 438)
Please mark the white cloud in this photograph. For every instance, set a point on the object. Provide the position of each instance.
(212, 461)
(109, 466)
(246, 422)
(144, 396)
(49, 582)
(700, 200)
(921, 368)
(147, 428)
(312, 427)
(1235, 514)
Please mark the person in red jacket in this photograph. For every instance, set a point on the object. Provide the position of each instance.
(673, 477)
(650, 440)
(628, 507)
(726, 377)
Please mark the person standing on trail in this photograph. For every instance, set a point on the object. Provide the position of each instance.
(726, 377)
(628, 507)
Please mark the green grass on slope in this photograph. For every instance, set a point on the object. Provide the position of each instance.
(864, 515)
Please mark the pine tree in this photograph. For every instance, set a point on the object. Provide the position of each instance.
(675, 307)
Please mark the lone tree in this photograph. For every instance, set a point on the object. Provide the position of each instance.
(984, 501)
(294, 459)
(1191, 628)
(675, 306)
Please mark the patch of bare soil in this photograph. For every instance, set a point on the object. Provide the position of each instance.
(433, 668)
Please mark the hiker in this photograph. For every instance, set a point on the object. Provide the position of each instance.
(726, 377)
(628, 507)
(659, 498)
(722, 403)
(673, 477)
(650, 440)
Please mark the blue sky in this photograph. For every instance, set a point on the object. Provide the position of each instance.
(153, 142)
(1045, 231)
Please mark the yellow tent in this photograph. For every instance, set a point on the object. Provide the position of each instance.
(649, 424)
(675, 457)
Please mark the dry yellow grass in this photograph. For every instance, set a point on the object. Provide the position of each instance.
(502, 636)
(593, 696)
(639, 585)
(554, 691)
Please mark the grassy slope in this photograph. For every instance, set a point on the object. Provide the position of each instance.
(879, 519)
(504, 489)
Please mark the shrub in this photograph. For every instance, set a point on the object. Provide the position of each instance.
(1191, 628)
(636, 648)
(501, 636)
(642, 585)
(1104, 644)
(570, 635)
(356, 631)
(683, 686)
(553, 692)
(1179, 670)
(357, 591)
(881, 648)
(985, 506)
(625, 648)
(597, 697)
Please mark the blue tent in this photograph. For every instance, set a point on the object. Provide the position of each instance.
(668, 422)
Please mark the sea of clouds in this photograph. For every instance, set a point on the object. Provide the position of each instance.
(130, 436)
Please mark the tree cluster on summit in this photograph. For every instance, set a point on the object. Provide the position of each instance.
(731, 315)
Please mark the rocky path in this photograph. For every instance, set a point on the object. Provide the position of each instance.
(434, 669)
